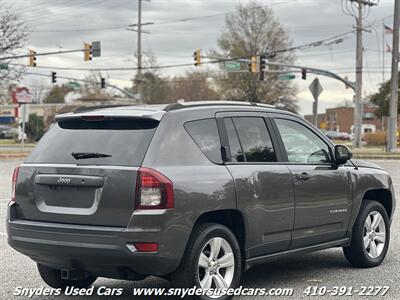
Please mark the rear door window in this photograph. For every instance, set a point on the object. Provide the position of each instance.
(123, 141)
(205, 135)
(254, 139)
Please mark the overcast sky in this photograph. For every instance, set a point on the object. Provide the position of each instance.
(61, 24)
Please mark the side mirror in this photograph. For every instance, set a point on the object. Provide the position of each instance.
(342, 154)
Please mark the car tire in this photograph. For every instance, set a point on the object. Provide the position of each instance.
(53, 278)
(370, 236)
(209, 271)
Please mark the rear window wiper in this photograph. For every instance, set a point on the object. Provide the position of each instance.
(83, 155)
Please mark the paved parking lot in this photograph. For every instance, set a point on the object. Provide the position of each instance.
(323, 268)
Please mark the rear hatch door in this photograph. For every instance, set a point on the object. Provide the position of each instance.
(83, 171)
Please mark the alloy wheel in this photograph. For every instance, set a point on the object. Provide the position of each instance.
(374, 234)
(216, 265)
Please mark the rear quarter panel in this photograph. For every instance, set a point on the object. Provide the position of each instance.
(200, 186)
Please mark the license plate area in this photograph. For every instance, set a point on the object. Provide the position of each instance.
(66, 196)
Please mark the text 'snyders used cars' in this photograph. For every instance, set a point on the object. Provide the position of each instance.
(193, 192)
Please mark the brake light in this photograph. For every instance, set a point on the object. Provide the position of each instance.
(93, 118)
(153, 190)
(14, 183)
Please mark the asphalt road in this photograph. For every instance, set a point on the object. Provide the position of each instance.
(324, 268)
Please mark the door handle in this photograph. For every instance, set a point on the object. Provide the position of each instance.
(303, 176)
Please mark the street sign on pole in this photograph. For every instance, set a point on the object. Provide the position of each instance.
(73, 85)
(287, 77)
(316, 90)
(96, 49)
(22, 95)
(232, 66)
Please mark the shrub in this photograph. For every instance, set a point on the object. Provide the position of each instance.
(34, 128)
(376, 138)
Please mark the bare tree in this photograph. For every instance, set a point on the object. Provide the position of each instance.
(252, 31)
(92, 90)
(149, 60)
(13, 34)
(192, 86)
(39, 90)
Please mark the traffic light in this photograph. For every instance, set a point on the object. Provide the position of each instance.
(197, 58)
(263, 65)
(88, 52)
(53, 77)
(253, 64)
(103, 83)
(32, 58)
(304, 74)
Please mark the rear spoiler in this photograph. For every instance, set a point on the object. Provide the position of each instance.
(113, 113)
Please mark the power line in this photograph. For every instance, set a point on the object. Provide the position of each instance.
(81, 29)
(172, 21)
(213, 61)
(64, 12)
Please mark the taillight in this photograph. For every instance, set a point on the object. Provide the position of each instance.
(153, 190)
(14, 183)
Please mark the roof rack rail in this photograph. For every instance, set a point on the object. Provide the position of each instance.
(82, 109)
(177, 106)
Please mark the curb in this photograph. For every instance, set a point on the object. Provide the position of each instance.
(13, 155)
(377, 156)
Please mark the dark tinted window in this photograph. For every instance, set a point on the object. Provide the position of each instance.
(205, 134)
(234, 144)
(255, 139)
(126, 140)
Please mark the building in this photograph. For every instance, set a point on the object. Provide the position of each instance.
(341, 119)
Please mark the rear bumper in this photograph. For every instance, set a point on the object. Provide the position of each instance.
(99, 250)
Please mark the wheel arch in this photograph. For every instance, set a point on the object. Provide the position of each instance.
(383, 196)
(231, 218)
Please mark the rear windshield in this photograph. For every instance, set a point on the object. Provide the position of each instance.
(120, 141)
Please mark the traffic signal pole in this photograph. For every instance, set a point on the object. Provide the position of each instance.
(315, 71)
(358, 105)
(139, 53)
(394, 92)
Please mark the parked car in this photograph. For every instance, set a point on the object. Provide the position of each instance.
(7, 132)
(344, 136)
(193, 192)
(333, 135)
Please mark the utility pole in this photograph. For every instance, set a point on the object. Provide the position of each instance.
(139, 53)
(358, 9)
(140, 31)
(358, 110)
(394, 92)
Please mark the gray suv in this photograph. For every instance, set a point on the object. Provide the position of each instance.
(194, 192)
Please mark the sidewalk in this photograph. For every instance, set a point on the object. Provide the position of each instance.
(374, 153)
(13, 150)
